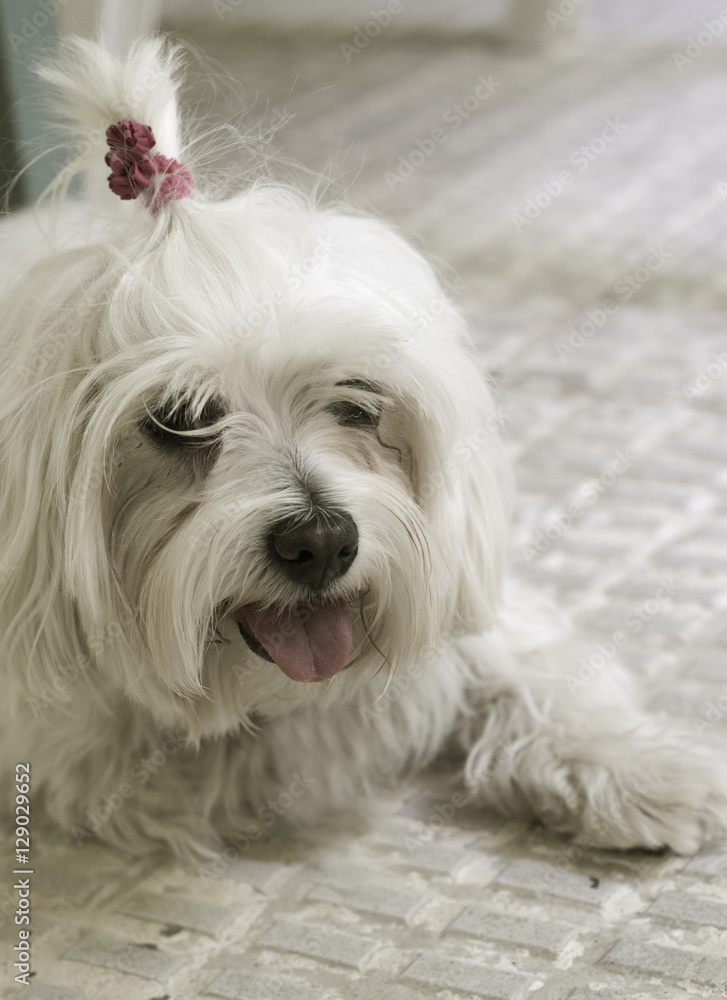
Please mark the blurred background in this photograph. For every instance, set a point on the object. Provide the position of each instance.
(566, 163)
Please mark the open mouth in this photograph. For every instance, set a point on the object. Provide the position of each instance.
(308, 642)
(253, 644)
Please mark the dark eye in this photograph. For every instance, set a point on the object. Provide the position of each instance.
(181, 423)
(352, 415)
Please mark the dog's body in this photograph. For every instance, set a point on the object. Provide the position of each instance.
(255, 512)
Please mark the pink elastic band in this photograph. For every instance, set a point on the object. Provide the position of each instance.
(134, 167)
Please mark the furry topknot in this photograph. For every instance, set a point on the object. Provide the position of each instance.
(95, 90)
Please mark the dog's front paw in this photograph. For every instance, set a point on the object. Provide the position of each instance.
(667, 794)
(646, 787)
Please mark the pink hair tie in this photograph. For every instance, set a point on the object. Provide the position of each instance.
(133, 167)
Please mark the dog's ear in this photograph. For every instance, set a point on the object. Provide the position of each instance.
(50, 333)
(37, 616)
(50, 327)
(464, 484)
(450, 436)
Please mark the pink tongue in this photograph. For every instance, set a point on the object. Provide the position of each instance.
(307, 643)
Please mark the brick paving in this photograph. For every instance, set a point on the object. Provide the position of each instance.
(600, 319)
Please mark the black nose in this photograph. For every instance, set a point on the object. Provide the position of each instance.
(317, 551)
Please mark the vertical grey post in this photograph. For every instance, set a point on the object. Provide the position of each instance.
(28, 31)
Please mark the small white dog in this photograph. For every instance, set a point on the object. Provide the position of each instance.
(251, 555)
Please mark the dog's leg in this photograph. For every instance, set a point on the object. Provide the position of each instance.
(329, 760)
(581, 754)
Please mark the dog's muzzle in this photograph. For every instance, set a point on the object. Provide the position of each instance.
(310, 641)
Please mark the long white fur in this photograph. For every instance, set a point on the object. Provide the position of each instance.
(117, 554)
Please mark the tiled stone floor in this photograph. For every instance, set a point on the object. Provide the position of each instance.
(602, 318)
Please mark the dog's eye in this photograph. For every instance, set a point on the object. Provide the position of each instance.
(181, 424)
(352, 415)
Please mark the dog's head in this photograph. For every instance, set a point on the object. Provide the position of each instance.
(246, 447)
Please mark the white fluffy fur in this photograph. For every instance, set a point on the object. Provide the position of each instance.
(121, 557)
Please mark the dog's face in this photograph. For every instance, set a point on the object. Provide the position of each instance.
(262, 451)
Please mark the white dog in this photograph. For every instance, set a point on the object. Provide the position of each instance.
(250, 553)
